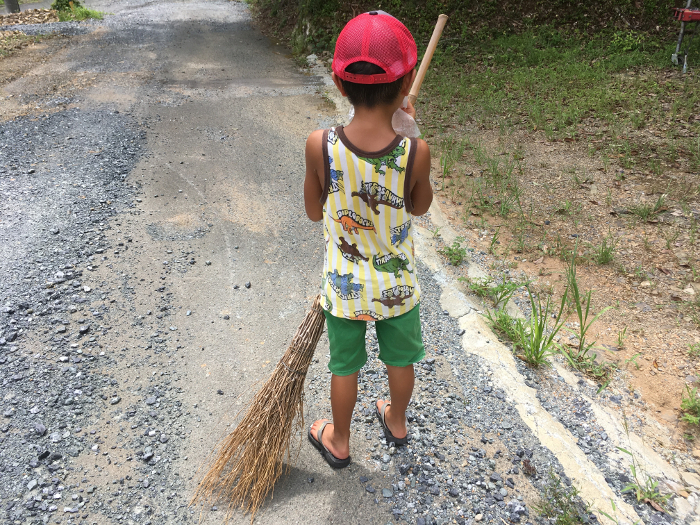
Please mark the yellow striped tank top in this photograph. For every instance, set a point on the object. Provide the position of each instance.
(369, 272)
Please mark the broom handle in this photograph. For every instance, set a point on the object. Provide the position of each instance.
(427, 57)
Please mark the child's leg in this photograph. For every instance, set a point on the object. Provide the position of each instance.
(401, 381)
(348, 355)
(336, 436)
(400, 345)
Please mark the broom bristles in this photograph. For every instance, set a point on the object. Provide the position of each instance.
(246, 464)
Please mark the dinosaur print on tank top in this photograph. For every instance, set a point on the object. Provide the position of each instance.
(369, 268)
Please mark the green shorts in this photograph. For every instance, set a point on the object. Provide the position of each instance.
(400, 342)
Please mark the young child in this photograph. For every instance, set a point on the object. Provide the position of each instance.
(365, 183)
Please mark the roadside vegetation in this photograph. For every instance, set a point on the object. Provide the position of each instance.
(73, 10)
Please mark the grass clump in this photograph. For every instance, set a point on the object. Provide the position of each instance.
(645, 488)
(690, 406)
(605, 253)
(485, 287)
(581, 357)
(561, 503)
(73, 10)
(694, 350)
(647, 212)
(535, 337)
(455, 253)
(505, 325)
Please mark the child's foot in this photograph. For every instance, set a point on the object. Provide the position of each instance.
(328, 439)
(397, 428)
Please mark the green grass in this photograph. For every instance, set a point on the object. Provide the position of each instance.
(561, 503)
(581, 356)
(690, 406)
(694, 350)
(605, 253)
(549, 79)
(648, 211)
(535, 337)
(504, 324)
(499, 293)
(79, 13)
(455, 253)
(643, 486)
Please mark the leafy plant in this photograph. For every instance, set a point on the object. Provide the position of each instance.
(621, 336)
(579, 356)
(691, 406)
(561, 503)
(671, 237)
(65, 5)
(494, 242)
(633, 360)
(505, 324)
(565, 208)
(499, 293)
(78, 12)
(455, 253)
(645, 490)
(605, 253)
(694, 350)
(648, 211)
(535, 336)
(435, 232)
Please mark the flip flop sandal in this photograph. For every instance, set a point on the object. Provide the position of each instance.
(317, 442)
(387, 433)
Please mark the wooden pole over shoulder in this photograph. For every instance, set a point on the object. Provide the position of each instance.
(427, 57)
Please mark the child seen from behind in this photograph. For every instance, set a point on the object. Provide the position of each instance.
(366, 183)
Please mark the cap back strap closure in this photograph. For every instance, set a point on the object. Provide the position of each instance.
(366, 79)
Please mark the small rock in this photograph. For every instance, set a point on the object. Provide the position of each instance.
(33, 483)
(151, 400)
(115, 400)
(387, 493)
(478, 517)
(247, 285)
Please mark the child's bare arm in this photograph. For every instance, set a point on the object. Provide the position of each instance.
(421, 191)
(313, 185)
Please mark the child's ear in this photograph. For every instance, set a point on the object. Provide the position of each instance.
(338, 84)
(407, 83)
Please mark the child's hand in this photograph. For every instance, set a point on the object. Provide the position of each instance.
(410, 110)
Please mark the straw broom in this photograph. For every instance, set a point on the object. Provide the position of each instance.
(248, 462)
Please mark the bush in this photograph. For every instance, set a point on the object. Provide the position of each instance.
(65, 5)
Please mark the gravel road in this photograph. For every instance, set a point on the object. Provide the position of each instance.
(155, 260)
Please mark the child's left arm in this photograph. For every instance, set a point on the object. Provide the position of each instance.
(315, 175)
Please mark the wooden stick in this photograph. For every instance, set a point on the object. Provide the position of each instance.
(415, 88)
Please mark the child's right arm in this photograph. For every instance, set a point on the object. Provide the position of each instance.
(315, 175)
(421, 190)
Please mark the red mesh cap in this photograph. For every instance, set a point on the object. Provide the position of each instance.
(378, 38)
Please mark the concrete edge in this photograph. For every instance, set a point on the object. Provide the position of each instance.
(479, 339)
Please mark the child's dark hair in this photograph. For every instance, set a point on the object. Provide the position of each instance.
(370, 95)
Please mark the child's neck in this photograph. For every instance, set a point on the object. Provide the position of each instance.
(371, 128)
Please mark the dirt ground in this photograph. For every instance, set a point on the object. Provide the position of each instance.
(572, 195)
